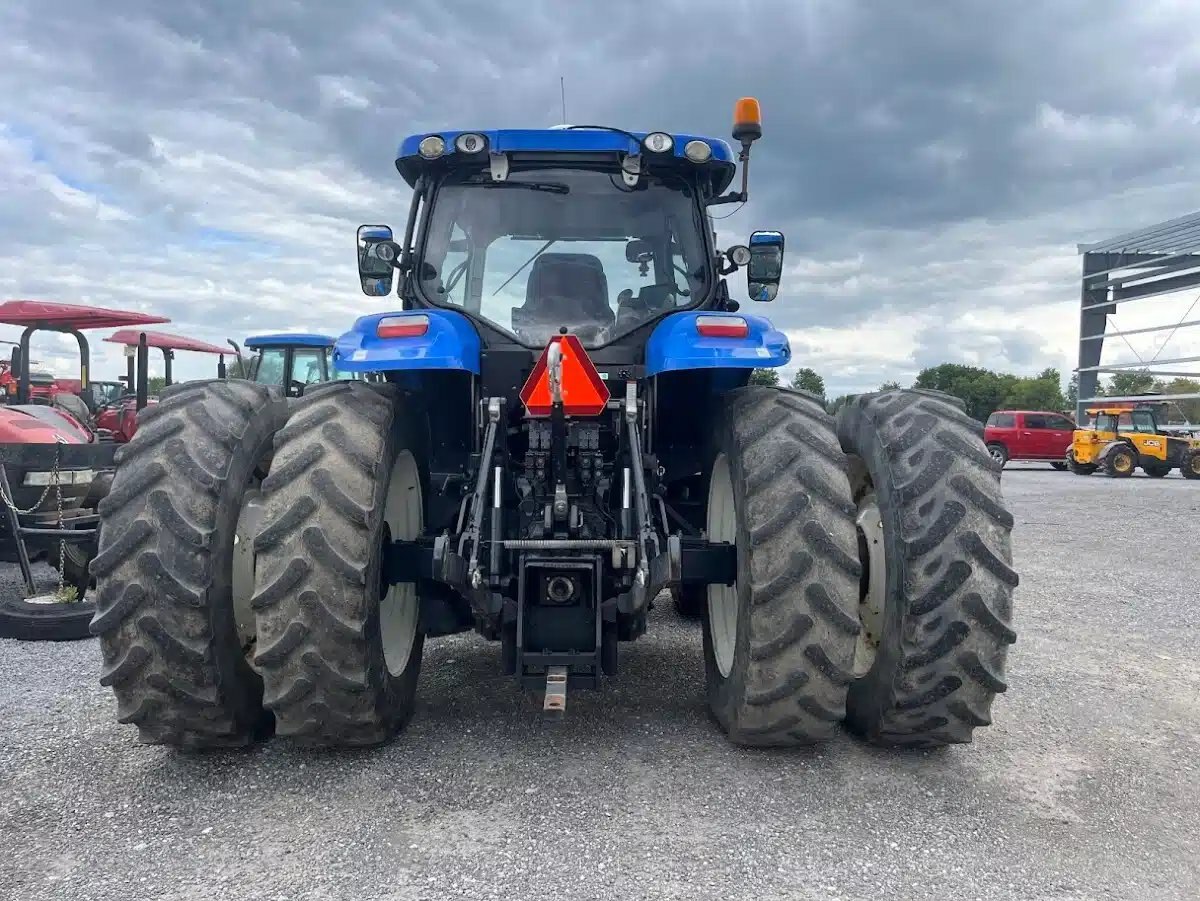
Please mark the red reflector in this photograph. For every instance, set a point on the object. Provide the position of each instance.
(722, 326)
(584, 392)
(402, 326)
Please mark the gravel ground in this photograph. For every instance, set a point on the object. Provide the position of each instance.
(1087, 786)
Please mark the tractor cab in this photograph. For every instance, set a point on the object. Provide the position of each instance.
(596, 231)
(118, 417)
(292, 361)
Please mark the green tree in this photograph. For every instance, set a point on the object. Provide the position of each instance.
(807, 380)
(1072, 395)
(1130, 382)
(1042, 392)
(1187, 409)
(155, 385)
(767, 377)
(889, 386)
(980, 389)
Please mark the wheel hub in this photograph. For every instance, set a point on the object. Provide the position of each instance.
(242, 583)
(399, 606)
(873, 590)
(722, 599)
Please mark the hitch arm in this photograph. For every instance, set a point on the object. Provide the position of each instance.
(479, 498)
(648, 538)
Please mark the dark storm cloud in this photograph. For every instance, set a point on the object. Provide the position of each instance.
(926, 160)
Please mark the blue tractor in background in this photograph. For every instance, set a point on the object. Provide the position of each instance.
(560, 431)
(290, 360)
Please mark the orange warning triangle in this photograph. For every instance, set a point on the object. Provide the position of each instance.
(584, 392)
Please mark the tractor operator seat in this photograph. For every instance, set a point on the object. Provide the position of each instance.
(564, 289)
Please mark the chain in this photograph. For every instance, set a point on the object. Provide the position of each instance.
(62, 541)
(11, 504)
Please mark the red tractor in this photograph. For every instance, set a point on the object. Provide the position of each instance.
(118, 417)
(53, 469)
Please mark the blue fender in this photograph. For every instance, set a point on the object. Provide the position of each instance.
(450, 342)
(676, 344)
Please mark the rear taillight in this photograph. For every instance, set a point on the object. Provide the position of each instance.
(402, 326)
(722, 326)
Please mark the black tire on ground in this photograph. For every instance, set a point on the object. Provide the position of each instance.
(347, 469)
(165, 612)
(1157, 472)
(1189, 467)
(24, 621)
(998, 453)
(1120, 462)
(941, 637)
(1059, 466)
(778, 645)
(1079, 469)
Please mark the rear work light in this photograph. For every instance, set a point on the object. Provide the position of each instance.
(402, 326)
(722, 326)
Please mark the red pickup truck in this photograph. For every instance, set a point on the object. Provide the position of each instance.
(1035, 435)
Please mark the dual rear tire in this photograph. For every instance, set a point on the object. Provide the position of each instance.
(874, 571)
(317, 648)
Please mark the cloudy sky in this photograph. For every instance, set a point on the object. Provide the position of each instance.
(933, 165)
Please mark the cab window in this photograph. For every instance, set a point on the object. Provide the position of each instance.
(268, 367)
(1036, 421)
(1143, 421)
(307, 368)
(1059, 423)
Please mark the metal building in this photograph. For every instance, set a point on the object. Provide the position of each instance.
(1152, 262)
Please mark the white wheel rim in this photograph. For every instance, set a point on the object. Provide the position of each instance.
(871, 603)
(722, 599)
(398, 609)
(997, 455)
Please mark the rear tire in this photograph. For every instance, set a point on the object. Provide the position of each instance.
(778, 644)
(1157, 472)
(1119, 463)
(339, 655)
(937, 590)
(164, 599)
(998, 453)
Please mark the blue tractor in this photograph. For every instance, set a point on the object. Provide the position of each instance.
(559, 432)
(291, 360)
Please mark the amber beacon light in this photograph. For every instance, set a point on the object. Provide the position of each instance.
(747, 120)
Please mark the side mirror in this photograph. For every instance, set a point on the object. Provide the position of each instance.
(765, 268)
(376, 259)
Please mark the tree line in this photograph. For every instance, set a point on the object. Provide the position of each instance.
(985, 391)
